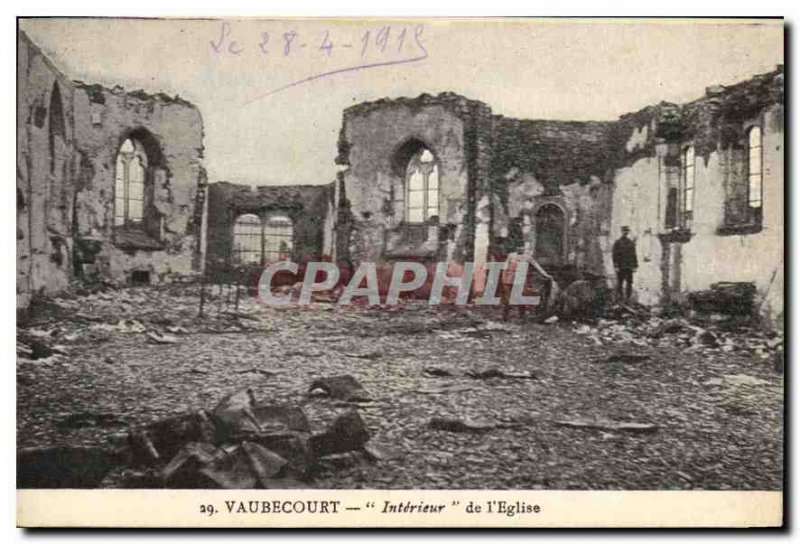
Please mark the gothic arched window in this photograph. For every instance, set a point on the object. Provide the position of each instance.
(422, 187)
(129, 184)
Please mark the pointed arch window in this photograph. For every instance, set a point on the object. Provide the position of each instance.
(129, 187)
(422, 187)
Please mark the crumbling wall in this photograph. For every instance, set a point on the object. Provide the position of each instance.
(166, 245)
(677, 257)
(371, 221)
(308, 206)
(554, 163)
(715, 254)
(45, 169)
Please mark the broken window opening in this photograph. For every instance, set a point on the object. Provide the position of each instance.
(687, 201)
(129, 188)
(278, 238)
(755, 173)
(247, 235)
(744, 191)
(422, 187)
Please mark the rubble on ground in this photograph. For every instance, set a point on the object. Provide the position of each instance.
(705, 334)
(343, 387)
(240, 444)
(98, 379)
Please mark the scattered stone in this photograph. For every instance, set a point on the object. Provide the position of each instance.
(181, 471)
(580, 298)
(376, 452)
(234, 413)
(347, 432)
(281, 417)
(671, 326)
(706, 338)
(90, 419)
(732, 298)
(495, 372)
(266, 464)
(340, 461)
(292, 446)
(608, 425)
(372, 355)
(343, 387)
(261, 371)
(157, 338)
(437, 372)
(551, 319)
(244, 466)
(773, 343)
(64, 466)
(161, 440)
(743, 379)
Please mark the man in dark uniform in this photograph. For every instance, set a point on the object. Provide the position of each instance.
(625, 263)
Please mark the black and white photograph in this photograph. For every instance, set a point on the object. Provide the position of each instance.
(492, 254)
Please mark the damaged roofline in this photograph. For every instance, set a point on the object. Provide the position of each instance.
(96, 90)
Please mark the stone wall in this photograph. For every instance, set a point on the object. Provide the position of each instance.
(558, 168)
(167, 245)
(375, 142)
(310, 207)
(46, 167)
(561, 190)
(69, 134)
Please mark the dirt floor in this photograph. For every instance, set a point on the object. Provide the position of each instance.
(705, 416)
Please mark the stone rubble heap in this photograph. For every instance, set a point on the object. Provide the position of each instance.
(240, 444)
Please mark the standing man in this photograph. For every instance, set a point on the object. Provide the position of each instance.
(625, 263)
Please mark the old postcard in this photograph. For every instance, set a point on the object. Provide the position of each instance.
(419, 272)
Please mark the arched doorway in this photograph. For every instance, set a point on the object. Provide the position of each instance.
(550, 234)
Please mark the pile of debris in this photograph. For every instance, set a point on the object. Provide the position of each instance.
(240, 444)
(162, 316)
(648, 330)
(726, 298)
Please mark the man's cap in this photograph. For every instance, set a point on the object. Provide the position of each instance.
(626, 228)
